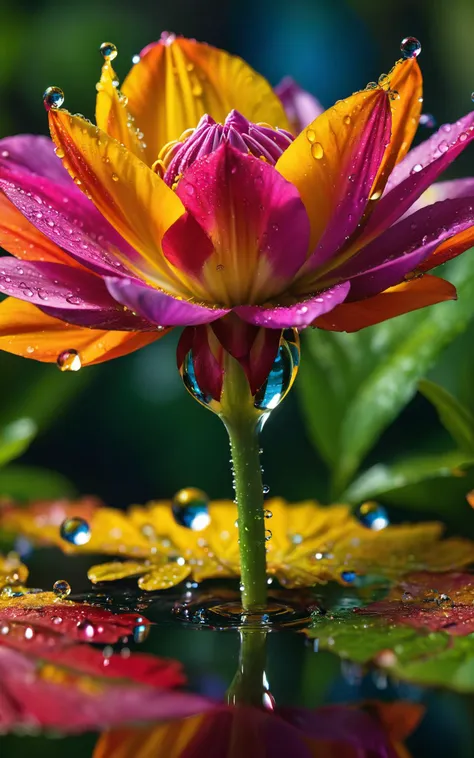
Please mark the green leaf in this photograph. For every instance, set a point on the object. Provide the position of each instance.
(417, 633)
(456, 419)
(15, 438)
(383, 478)
(352, 386)
(33, 483)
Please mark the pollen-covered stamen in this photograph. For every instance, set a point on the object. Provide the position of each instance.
(260, 140)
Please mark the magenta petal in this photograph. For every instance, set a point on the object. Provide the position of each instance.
(157, 306)
(186, 245)
(417, 171)
(300, 106)
(386, 260)
(449, 190)
(35, 154)
(298, 315)
(68, 218)
(249, 211)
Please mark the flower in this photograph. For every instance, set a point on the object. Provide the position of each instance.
(370, 730)
(309, 543)
(192, 205)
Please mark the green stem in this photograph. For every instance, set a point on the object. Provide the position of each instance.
(249, 684)
(241, 420)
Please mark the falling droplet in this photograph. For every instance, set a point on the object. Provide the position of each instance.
(374, 516)
(75, 531)
(410, 47)
(108, 51)
(69, 360)
(317, 151)
(190, 508)
(348, 576)
(61, 588)
(282, 375)
(53, 97)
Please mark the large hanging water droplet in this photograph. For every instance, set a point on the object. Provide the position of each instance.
(188, 375)
(53, 97)
(69, 360)
(410, 47)
(374, 516)
(282, 375)
(108, 51)
(190, 508)
(61, 588)
(76, 531)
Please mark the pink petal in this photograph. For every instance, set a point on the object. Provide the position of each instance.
(300, 106)
(71, 294)
(449, 190)
(157, 306)
(35, 154)
(417, 171)
(299, 315)
(255, 219)
(187, 246)
(68, 218)
(403, 247)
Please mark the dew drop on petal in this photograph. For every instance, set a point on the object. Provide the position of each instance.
(190, 507)
(317, 151)
(310, 135)
(108, 51)
(75, 530)
(135, 59)
(86, 629)
(410, 47)
(69, 360)
(53, 97)
(373, 515)
(61, 588)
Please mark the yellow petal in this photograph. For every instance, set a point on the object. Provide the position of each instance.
(323, 152)
(27, 331)
(133, 198)
(108, 572)
(112, 114)
(12, 571)
(404, 80)
(164, 577)
(177, 82)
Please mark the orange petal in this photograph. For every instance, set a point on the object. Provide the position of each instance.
(321, 155)
(129, 195)
(27, 331)
(406, 297)
(20, 238)
(112, 114)
(406, 80)
(178, 81)
(450, 248)
(162, 741)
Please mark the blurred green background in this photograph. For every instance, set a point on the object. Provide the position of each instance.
(128, 431)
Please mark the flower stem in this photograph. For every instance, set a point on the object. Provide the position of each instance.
(249, 685)
(242, 422)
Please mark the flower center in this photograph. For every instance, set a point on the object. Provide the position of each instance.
(260, 140)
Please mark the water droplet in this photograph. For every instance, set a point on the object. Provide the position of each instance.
(69, 360)
(135, 59)
(86, 629)
(472, 96)
(59, 152)
(374, 516)
(410, 47)
(348, 576)
(53, 97)
(416, 168)
(57, 620)
(265, 489)
(188, 375)
(376, 195)
(267, 513)
(310, 135)
(428, 120)
(282, 375)
(317, 151)
(268, 535)
(108, 51)
(115, 178)
(75, 531)
(190, 508)
(29, 633)
(140, 632)
(347, 120)
(393, 94)
(443, 147)
(61, 588)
